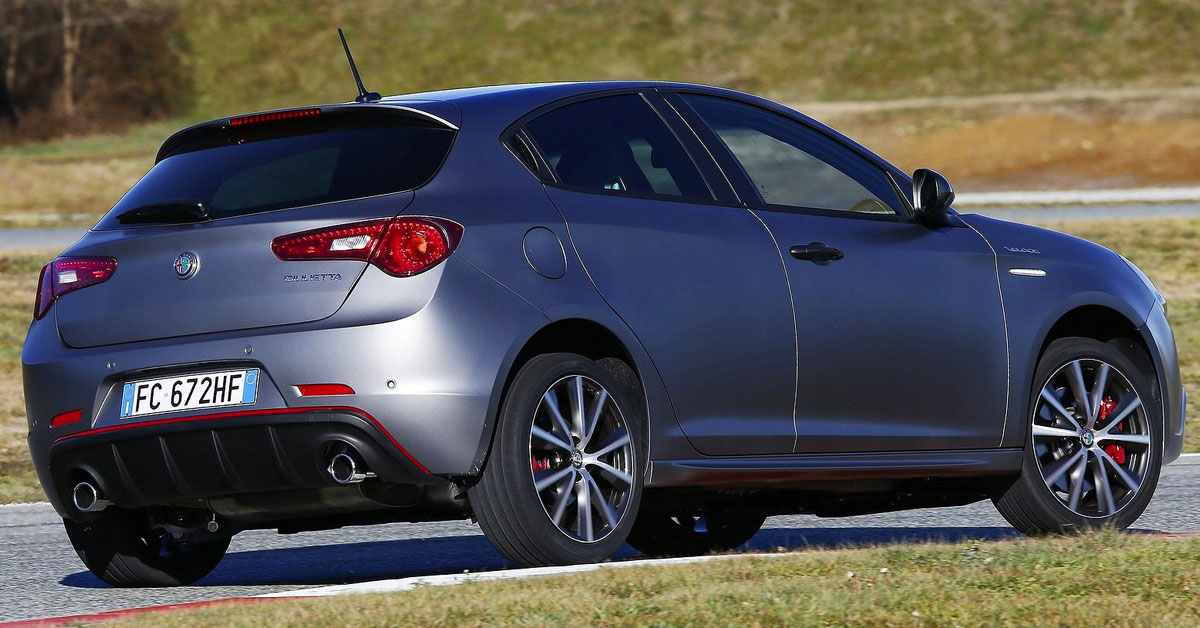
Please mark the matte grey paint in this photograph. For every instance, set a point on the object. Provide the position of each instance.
(718, 365)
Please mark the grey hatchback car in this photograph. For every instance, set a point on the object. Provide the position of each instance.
(582, 314)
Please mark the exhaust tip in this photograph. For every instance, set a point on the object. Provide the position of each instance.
(344, 469)
(87, 498)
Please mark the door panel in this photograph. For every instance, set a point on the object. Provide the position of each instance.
(703, 288)
(901, 341)
(900, 329)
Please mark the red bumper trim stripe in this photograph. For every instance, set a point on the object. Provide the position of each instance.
(268, 412)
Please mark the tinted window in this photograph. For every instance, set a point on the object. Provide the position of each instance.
(778, 155)
(616, 144)
(293, 170)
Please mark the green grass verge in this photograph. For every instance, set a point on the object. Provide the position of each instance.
(1163, 248)
(1093, 580)
(247, 54)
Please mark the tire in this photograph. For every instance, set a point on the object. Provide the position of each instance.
(516, 517)
(120, 549)
(661, 534)
(1062, 486)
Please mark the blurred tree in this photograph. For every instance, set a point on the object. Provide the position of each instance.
(72, 65)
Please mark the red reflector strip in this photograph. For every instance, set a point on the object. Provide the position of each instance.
(275, 116)
(322, 390)
(65, 418)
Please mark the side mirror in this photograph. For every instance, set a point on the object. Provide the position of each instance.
(932, 196)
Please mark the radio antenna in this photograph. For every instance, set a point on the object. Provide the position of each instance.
(363, 94)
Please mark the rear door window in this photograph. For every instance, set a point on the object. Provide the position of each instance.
(616, 145)
(293, 166)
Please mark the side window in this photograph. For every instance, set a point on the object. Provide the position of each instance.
(616, 144)
(769, 147)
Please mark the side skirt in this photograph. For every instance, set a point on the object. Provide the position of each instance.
(744, 472)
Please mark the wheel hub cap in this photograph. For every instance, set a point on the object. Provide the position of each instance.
(576, 458)
(1088, 438)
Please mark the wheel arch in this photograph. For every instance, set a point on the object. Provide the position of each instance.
(583, 336)
(1097, 321)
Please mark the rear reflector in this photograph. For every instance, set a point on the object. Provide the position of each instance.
(68, 274)
(275, 116)
(324, 390)
(65, 418)
(402, 247)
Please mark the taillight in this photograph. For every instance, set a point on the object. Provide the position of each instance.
(402, 247)
(68, 274)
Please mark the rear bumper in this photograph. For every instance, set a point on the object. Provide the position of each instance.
(428, 379)
(190, 460)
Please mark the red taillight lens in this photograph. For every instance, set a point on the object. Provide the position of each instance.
(401, 247)
(275, 116)
(354, 241)
(68, 274)
(414, 245)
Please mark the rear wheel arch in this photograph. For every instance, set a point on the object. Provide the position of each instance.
(580, 336)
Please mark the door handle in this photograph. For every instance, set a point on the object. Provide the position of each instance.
(818, 252)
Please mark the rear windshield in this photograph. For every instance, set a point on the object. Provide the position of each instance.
(235, 176)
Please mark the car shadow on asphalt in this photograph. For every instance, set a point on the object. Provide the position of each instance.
(344, 563)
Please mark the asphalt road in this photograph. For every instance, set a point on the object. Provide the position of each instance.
(40, 576)
(61, 237)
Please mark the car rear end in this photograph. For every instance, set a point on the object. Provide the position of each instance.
(253, 329)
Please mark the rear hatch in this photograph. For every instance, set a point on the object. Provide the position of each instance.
(192, 239)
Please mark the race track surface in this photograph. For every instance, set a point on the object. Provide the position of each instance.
(40, 576)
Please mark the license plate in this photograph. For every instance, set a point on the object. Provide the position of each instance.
(189, 392)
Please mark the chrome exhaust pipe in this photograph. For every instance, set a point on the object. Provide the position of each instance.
(344, 469)
(87, 498)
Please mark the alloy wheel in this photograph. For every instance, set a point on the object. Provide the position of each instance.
(1091, 437)
(581, 458)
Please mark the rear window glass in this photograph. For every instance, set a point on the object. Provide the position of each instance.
(616, 144)
(278, 172)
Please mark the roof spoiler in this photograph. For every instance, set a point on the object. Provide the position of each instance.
(188, 139)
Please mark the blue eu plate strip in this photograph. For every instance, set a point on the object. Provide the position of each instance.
(250, 388)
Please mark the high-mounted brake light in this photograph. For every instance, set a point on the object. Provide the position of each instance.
(275, 116)
(68, 274)
(402, 247)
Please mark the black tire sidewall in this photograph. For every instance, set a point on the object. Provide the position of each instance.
(509, 460)
(112, 548)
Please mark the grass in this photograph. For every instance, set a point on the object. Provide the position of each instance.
(247, 54)
(1163, 248)
(1093, 580)
(18, 282)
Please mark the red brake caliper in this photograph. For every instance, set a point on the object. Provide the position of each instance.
(544, 463)
(1116, 452)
